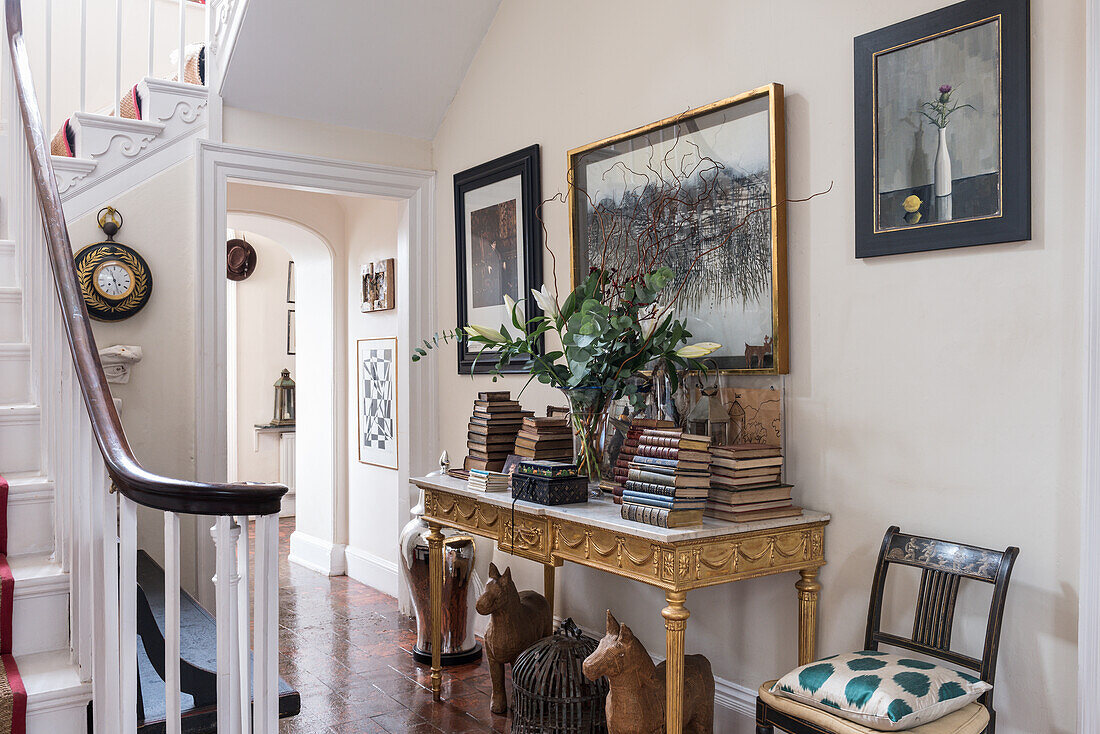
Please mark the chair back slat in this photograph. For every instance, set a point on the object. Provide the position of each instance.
(943, 565)
(935, 608)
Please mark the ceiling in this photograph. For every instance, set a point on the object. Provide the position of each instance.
(387, 65)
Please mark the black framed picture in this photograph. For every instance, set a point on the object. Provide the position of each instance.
(498, 242)
(943, 130)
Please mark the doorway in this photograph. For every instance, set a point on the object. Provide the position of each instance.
(324, 546)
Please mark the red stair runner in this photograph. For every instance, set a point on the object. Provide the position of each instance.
(13, 695)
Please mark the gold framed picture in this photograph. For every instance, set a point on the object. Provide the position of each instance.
(718, 173)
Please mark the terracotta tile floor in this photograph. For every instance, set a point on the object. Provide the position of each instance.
(345, 648)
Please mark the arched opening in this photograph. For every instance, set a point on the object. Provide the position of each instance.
(316, 358)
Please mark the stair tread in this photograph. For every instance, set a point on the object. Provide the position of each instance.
(17, 409)
(116, 122)
(15, 347)
(48, 675)
(36, 569)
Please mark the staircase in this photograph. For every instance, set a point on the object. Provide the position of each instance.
(57, 699)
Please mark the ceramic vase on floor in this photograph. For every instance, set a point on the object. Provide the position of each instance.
(458, 643)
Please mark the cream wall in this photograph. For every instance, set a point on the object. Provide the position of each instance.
(939, 391)
(291, 135)
(373, 514)
(158, 404)
(261, 355)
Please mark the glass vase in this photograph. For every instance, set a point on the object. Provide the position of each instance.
(587, 415)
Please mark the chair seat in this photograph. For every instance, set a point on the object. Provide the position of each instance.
(971, 719)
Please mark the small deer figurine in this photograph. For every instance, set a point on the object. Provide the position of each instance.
(519, 620)
(636, 703)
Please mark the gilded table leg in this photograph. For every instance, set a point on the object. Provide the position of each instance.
(548, 577)
(675, 624)
(808, 587)
(435, 572)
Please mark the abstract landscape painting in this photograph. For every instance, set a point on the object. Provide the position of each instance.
(712, 176)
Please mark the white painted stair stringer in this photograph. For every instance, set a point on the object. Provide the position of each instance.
(113, 155)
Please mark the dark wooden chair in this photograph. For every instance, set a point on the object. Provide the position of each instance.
(943, 565)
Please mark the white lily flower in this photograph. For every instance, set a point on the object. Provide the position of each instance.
(484, 331)
(547, 302)
(648, 325)
(697, 350)
(510, 304)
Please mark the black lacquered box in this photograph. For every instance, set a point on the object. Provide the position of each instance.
(546, 491)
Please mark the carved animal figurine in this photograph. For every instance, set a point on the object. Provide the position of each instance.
(636, 703)
(519, 620)
(758, 352)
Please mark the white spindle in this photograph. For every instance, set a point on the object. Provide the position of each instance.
(183, 38)
(83, 55)
(265, 646)
(48, 88)
(118, 56)
(225, 533)
(152, 35)
(173, 722)
(127, 600)
(243, 689)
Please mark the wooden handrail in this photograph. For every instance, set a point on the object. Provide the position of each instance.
(129, 477)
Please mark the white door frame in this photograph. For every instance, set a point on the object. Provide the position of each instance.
(415, 285)
(1088, 622)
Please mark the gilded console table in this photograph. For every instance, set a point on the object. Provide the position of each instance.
(595, 535)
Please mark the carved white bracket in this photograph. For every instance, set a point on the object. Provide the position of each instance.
(116, 362)
(71, 171)
(96, 135)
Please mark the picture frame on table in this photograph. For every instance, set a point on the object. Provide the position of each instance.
(729, 158)
(943, 130)
(498, 248)
(376, 365)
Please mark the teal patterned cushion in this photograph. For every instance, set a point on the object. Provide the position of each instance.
(881, 690)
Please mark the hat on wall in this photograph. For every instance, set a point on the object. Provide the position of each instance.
(240, 259)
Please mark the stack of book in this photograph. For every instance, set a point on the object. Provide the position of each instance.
(488, 481)
(545, 439)
(492, 431)
(617, 481)
(668, 479)
(745, 485)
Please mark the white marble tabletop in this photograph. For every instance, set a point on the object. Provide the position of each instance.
(606, 514)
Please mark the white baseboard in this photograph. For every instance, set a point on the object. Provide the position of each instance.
(372, 570)
(735, 698)
(317, 555)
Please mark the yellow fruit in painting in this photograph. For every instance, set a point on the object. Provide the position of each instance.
(911, 203)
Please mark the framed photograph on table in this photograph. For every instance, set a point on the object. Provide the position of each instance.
(498, 243)
(704, 193)
(377, 396)
(943, 131)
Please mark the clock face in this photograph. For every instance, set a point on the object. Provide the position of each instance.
(113, 280)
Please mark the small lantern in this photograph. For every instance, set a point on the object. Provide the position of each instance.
(708, 417)
(284, 401)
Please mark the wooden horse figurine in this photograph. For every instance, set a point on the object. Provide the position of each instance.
(636, 703)
(519, 620)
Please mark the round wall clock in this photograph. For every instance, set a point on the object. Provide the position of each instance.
(114, 278)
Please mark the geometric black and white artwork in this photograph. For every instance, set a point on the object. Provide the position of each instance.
(378, 401)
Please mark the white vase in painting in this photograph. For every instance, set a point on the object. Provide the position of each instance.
(943, 166)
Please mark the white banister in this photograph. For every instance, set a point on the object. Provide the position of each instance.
(226, 533)
(265, 646)
(152, 36)
(83, 55)
(183, 38)
(244, 681)
(127, 615)
(172, 717)
(48, 87)
(118, 56)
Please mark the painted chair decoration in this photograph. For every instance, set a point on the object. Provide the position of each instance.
(931, 699)
(519, 619)
(636, 703)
